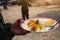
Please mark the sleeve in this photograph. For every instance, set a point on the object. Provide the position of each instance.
(8, 27)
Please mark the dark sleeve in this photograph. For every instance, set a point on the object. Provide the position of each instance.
(8, 26)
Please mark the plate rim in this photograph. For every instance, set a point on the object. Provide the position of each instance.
(39, 18)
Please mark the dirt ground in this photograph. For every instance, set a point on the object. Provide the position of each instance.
(14, 12)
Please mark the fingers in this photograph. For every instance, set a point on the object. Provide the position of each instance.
(25, 31)
(21, 21)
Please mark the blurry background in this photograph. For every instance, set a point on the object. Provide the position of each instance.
(38, 7)
(39, 2)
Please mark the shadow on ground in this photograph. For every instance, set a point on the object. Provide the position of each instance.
(51, 14)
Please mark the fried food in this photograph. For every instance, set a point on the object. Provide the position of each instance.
(35, 25)
(40, 26)
(49, 22)
(34, 28)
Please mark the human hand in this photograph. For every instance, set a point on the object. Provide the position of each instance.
(16, 29)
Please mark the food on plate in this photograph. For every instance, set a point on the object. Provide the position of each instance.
(35, 25)
(49, 22)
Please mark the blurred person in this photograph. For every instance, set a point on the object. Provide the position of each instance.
(14, 2)
(25, 9)
(0, 2)
(9, 30)
(4, 3)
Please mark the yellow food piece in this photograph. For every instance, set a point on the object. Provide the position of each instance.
(40, 26)
(29, 24)
(35, 25)
(34, 28)
(49, 22)
(36, 21)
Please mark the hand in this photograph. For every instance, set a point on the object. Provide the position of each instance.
(16, 28)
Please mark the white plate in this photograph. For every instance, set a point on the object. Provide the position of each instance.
(42, 20)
